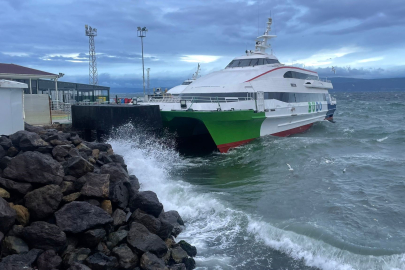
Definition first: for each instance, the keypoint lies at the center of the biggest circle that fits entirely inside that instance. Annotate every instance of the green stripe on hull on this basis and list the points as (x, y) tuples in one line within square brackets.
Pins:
[(224, 126)]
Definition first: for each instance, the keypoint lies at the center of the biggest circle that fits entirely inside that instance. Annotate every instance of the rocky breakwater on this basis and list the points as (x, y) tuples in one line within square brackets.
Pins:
[(70, 204)]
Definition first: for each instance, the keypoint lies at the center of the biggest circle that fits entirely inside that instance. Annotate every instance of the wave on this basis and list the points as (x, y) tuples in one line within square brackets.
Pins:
[(227, 238)]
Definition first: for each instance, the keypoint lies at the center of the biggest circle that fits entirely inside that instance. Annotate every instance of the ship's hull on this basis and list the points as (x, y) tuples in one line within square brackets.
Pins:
[(230, 129)]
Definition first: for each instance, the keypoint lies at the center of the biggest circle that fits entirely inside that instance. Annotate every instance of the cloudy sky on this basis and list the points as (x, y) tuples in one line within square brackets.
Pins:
[(362, 38)]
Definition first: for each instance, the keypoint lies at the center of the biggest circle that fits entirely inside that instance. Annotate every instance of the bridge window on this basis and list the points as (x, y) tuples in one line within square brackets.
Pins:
[(251, 62), (299, 75)]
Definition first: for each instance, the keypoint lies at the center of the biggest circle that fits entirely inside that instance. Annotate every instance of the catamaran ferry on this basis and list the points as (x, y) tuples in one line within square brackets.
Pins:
[(254, 96)]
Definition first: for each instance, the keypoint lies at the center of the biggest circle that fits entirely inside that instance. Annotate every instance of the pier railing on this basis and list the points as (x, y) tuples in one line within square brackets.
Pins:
[(196, 99)]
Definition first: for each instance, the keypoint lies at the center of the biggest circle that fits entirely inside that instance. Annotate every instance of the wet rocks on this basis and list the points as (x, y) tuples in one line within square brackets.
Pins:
[(97, 185), (126, 258), (146, 201), (116, 171), (99, 261), (76, 217), (144, 241), (22, 188), (43, 235), (49, 260), (191, 250), (78, 166), (7, 216), (34, 167), (150, 261), (92, 238)]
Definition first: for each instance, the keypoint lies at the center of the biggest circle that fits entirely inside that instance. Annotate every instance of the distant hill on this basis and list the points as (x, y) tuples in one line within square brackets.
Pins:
[(352, 84)]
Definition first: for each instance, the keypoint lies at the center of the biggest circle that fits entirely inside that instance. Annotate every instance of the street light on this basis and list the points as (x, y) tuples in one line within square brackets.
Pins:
[(142, 33)]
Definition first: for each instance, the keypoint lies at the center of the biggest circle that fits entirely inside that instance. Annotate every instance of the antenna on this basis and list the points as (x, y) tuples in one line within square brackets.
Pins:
[(93, 75)]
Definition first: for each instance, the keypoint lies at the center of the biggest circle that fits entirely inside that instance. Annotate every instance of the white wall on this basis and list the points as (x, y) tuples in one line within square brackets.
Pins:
[(11, 110), (37, 110)]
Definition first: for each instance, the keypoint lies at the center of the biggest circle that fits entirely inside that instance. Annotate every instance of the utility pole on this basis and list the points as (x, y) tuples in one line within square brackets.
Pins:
[(142, 33), (93, 75), (147, 79)]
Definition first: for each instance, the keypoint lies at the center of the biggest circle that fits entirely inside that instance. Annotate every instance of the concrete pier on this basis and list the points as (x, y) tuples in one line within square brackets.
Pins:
[(104, 118)]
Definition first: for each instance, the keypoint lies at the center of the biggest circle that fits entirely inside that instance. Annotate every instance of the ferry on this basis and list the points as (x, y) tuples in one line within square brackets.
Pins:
[(175, 91), (253, 96)]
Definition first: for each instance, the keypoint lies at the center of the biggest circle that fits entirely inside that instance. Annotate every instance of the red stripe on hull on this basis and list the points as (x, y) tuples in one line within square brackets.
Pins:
[(296, 130), (277, 69), (224, 148)]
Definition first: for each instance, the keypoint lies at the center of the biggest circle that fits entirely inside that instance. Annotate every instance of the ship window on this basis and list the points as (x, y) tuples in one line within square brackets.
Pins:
[(261, 61), (251, 62), (299, 75), (272, 61), (294, 97), (244, 63), (254, 62), (186, 83)]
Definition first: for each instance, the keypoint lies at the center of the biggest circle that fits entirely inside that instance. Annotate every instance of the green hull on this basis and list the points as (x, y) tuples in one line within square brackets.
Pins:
[(227, 128)]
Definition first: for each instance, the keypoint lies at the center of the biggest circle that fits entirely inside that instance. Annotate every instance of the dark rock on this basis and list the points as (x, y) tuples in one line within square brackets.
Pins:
[(93, 202), (116, 172), (14, 245), (75, 256), (78, 266), (104, 158), (67, 187), (149, 221), (191, 250), (119, 195), (45, 149), (71, 197), (34, 167), (7, 216), (99, 261), (79, 182), (117, 237), (22, 188), (71, 243), (3, 152), (178, 254), (31, 141), (179, 266), (78, 217), (60, 142), (102, 247), (23, 215), (17, 231), (190, 263), (43, 202), (166, 229), (146, 201), (134, 182), (5, 142), (119, 217), (70, 178), (126, 258), (143, 241), (61, 151), (78, 166), (45, 236), (12, 151), (20, 261), (32, 128), (74, 152), (91, 238), (49, 260), (97, 185), (103, 147), (4, 162), (172, 217), (149, 261)]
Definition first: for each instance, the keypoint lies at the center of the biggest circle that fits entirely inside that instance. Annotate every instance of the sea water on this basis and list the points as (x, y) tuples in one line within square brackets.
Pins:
[(341, 205)]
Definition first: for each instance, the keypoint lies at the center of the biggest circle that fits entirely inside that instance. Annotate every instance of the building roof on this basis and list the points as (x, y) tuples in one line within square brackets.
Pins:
[(12, 71)]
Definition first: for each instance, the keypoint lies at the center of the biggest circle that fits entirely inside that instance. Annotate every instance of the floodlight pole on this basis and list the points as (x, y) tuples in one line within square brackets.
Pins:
[(142, 33)]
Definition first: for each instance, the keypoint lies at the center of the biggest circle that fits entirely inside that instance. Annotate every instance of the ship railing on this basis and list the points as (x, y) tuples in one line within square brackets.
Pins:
[(197, 99)]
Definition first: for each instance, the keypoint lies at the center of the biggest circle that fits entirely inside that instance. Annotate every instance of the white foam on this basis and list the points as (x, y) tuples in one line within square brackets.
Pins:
[(212, 225), (382, 139)]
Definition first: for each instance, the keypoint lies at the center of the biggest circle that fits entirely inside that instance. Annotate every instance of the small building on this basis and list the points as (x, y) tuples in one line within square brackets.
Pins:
[(41, 82), (11, 106)]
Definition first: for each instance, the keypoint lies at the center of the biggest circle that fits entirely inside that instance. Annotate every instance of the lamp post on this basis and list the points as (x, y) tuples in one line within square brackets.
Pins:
[(142, 33)]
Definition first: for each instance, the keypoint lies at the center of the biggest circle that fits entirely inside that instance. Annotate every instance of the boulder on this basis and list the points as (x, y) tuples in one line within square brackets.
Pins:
[(61, 151), (95, 153), (43, 202), (106, 206), (150, 222), (49, 260), (97, 185), (23, 216), (191, 250), (178, 254), (150, 261), (22, 188), (4, 162), (78, 166), (7, 216), (43, 235), (67, 187), (146, 201), (3, 152), (35, 129), (16, 230), (102, 247), (104, 158), (12, 151), (117, 237), (71, 197), (14, 245), (179, 266), (34, 167), (166, 229), (75, 256), (133, 180), (27, 141), (78, 266), (4, 193), (119, 195), (76, 217), (99, 261), (103, 147), (92, 238), (172, 217), (116, 171), (119, 217), (144, 241), (5, 142), (189, 263), (20, 261), (126, 258)]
